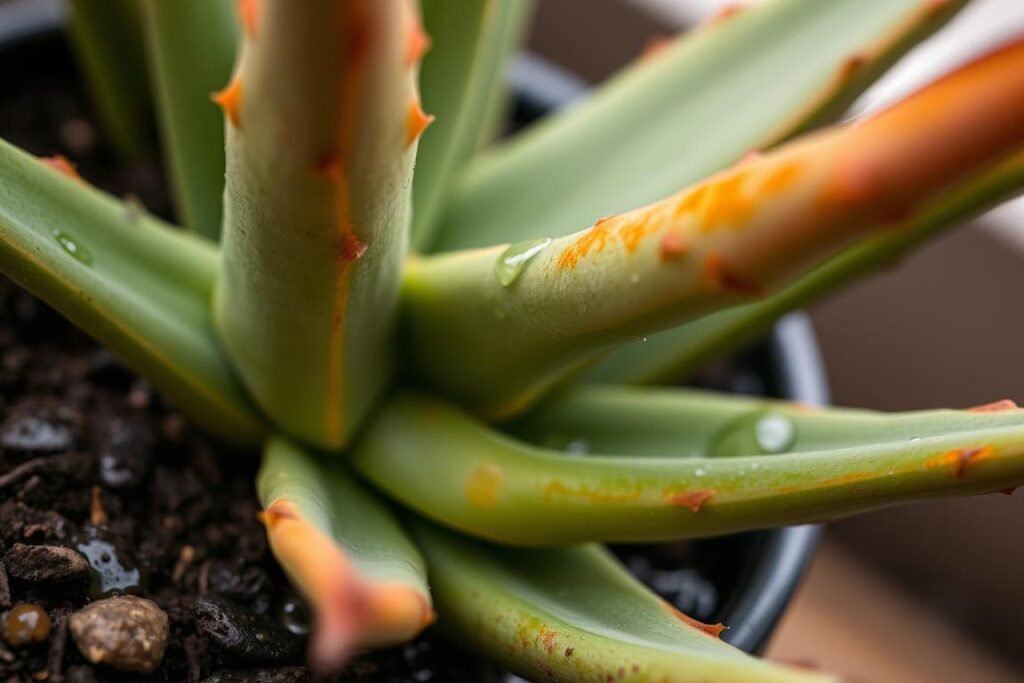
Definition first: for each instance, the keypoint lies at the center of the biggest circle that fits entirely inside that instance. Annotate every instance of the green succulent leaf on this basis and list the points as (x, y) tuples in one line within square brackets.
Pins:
[(323, 120), (495, 328), (136, 284), (575, 614), (461, 80), (672, 355), (106, 35), (345, 551), (191, 47), (692, 109), (488, 484)]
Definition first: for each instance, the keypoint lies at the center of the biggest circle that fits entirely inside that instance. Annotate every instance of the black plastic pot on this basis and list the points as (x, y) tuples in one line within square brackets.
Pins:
[(764, 567)]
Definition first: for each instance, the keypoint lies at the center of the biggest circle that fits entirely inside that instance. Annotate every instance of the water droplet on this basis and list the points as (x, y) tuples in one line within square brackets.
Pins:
[(73, 247), (762, 433), (570, 445), (295, 616), (577, 447), (644, 339), (515, 258), (112, 570), (700, 472), (915, 439)]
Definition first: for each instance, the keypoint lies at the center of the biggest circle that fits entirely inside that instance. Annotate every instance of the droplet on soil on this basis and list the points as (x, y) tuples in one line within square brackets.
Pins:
[(112, 570), (515, 258), (242, 632), (73, 247), (761, 433), (26, 624)]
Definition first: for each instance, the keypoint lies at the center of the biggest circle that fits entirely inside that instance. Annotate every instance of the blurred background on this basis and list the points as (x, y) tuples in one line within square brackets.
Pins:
[(933, 592)]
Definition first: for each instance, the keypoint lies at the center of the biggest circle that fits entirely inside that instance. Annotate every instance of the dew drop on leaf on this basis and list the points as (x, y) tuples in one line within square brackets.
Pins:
[(762, 433), (515, 258), (73, 247)]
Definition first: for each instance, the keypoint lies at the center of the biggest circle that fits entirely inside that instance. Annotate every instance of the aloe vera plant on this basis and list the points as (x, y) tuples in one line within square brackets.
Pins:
[(411, 323)]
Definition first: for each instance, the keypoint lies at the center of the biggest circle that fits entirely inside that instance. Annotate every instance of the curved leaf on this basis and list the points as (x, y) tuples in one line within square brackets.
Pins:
[(670, 356), (461, 80), (490, 485), (345, 551), (138, 285), (496, 328), (191, 46), (746, 83), (575, 614), (106, 38)]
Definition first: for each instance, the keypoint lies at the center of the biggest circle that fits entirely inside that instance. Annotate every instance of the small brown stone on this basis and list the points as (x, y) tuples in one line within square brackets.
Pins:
[(125, 632), (45, 563), (26, 624)]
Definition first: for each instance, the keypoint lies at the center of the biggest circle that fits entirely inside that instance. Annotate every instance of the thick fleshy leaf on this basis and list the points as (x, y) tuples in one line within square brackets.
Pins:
[(670, 356), (106, 35), (575, 614), (191, 46), (461, 82), (495, 328), (745, 83), (136, 284), (490, 485), (323, 121), (345, 551)]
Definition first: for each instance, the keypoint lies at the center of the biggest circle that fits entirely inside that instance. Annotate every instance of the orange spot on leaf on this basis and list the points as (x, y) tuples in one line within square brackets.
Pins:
[(416, 122), (654, 47), (558, 488), (350, 248), (693, 500), (722, 277), (995, 407), (248, 15), (673, 245), (419, 43), (61, 164), (593, 239), (961, 458), (724, 14), (713, 630), (230, 101)]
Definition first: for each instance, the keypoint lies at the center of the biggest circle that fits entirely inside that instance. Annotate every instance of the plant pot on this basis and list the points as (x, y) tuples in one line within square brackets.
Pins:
[(745, 581)]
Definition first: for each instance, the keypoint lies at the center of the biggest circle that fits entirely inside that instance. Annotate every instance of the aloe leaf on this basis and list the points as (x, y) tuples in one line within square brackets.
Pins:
[(746, 83), (672, 355), (323, 121), (345, 551), (191, 46), (136, 284), (106, 37), (495, 328), (671, 422), (575, 614), (469, 42), (490, 485)]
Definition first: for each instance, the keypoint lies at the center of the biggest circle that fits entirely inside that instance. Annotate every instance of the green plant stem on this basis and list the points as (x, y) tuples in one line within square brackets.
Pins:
[(191, 46), (323, 119), (576, 615), (490, 485), (106, 35), (691, 110)]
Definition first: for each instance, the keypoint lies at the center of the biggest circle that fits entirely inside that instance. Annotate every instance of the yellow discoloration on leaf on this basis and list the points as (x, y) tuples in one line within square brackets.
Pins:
[(557, 488), (484, 484)]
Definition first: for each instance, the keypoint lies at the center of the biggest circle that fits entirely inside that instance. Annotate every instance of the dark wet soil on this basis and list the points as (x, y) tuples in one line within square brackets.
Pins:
[(95, 465)]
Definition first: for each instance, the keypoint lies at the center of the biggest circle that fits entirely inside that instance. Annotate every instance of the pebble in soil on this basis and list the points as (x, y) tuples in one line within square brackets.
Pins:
[(243, 633), (26, 624), (45, 564), (125, 632)]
